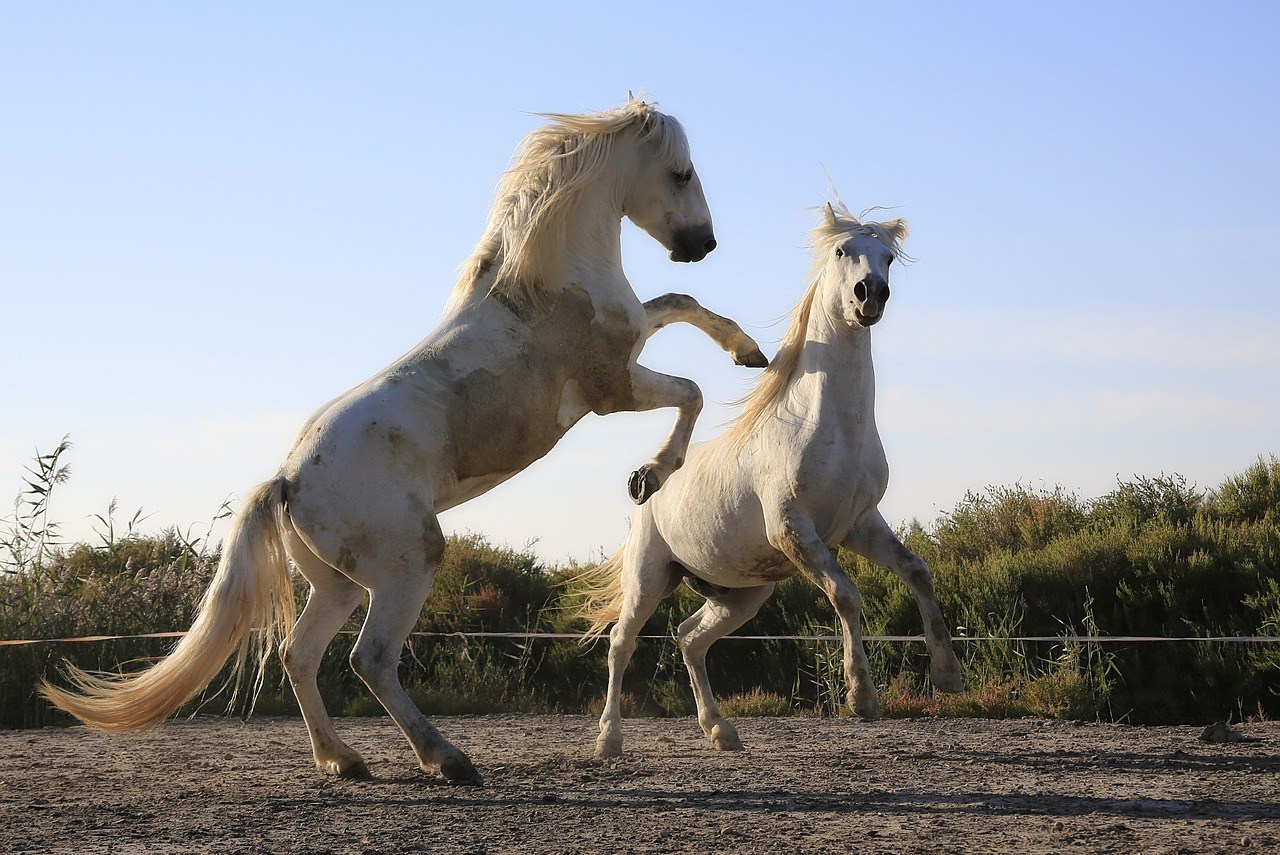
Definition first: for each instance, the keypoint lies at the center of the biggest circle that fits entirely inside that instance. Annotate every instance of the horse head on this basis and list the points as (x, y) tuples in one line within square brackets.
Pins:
[(662, 193), (854, 260)]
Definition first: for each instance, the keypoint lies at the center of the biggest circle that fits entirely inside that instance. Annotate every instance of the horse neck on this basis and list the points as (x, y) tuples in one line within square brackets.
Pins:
[(835, 377), (591, 240), (584, 251)]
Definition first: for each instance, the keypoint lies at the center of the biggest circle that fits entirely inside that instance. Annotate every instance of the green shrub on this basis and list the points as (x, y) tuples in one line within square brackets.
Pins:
[(1250, 497)]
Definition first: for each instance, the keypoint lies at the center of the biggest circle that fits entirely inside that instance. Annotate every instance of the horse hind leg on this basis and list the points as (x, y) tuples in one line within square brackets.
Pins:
[(396, 596), (722, 613), (646, 580), (332, 600)]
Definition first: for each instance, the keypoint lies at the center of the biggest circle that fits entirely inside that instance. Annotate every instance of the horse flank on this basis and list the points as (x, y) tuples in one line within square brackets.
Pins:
[(550, 165), (835, 225)]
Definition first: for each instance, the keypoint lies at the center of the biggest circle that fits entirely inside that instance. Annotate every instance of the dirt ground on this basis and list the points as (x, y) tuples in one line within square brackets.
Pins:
[(802, 784)]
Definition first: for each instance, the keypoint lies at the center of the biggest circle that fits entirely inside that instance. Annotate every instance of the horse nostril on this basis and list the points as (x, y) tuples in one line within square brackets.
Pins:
[(709, 245), (860, 291)]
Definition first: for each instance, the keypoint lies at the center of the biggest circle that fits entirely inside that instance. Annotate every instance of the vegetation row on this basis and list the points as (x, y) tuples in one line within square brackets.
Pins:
[(1154, 557)]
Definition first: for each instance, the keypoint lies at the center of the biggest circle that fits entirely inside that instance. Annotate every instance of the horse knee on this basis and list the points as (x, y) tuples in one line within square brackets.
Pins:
[(847, 600), (917, 575), (690, 395), (693, 650)]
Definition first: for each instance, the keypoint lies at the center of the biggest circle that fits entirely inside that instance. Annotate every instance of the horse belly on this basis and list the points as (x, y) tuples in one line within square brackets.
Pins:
[(739, 564), (717, 535)]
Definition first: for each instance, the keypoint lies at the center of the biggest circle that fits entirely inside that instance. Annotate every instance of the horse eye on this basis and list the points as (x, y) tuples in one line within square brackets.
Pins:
[(683, 178), (839, 252)]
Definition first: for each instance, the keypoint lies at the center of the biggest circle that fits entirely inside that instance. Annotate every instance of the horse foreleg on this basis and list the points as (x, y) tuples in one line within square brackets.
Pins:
[(876, 542), (650, 390), (681, 308), (332, 600), (793, 534), (719, 616)]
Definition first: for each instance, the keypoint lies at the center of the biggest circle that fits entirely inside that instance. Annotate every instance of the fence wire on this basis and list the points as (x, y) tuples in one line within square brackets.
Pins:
[(464, 636)]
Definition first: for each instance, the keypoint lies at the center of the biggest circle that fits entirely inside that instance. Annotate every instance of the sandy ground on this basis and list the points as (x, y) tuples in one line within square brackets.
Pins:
[(802, 784)]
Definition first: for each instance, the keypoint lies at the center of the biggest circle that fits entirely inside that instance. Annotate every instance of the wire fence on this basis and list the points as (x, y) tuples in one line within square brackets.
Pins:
[(1057, 639)]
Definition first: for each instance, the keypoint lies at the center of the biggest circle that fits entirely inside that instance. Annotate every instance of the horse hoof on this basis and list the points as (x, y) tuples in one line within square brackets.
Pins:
[(754, 359), (725, 738), (643, 484), (606, 750), (868, 709), (460, 771), (351, 769)]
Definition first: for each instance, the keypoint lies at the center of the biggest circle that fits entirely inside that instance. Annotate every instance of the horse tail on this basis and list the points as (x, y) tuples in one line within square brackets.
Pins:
[(600, 590), (251, 591)]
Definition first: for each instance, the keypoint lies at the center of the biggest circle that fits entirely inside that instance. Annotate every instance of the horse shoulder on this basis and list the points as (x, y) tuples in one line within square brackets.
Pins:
[(594, 338)]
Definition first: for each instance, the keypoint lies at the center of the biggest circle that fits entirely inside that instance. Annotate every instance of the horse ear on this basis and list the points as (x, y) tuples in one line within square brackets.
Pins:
[(630, 97), (897, 229), (829, 215)]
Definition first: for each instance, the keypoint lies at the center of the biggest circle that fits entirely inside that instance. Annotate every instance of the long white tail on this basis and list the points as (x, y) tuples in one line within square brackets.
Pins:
[(601, 591), (250, 591)]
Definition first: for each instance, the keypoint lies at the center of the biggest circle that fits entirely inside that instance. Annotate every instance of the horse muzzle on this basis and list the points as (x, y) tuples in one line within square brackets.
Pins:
[(692, 244), (870, 296)]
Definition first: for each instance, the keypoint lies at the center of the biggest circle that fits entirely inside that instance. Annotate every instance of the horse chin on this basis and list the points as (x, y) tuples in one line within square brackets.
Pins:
[(685, 257)]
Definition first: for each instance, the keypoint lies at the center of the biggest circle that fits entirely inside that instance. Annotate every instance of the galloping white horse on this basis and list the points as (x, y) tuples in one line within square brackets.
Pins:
[(802, 467), (541, 329)]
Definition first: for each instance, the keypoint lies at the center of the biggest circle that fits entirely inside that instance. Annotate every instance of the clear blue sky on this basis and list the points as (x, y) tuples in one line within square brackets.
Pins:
[(215, 217)]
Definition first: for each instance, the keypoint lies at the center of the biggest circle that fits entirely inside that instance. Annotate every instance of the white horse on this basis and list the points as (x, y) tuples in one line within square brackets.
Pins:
[(541, 329), (801, 468)]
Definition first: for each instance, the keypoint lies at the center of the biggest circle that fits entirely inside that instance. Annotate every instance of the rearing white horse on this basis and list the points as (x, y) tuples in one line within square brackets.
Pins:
[(541, 329), (802, 467)]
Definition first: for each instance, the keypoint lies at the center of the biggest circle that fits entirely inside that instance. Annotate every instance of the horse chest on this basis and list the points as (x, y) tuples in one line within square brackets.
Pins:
[(839, 477)]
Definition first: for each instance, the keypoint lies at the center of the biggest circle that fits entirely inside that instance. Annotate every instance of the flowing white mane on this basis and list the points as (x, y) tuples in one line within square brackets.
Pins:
[(834, 226), (525, 231)]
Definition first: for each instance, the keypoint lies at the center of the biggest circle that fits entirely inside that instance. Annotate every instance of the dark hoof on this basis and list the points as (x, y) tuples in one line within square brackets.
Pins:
[(754, 359), (355, 772), (459, 771), (642, 485)]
